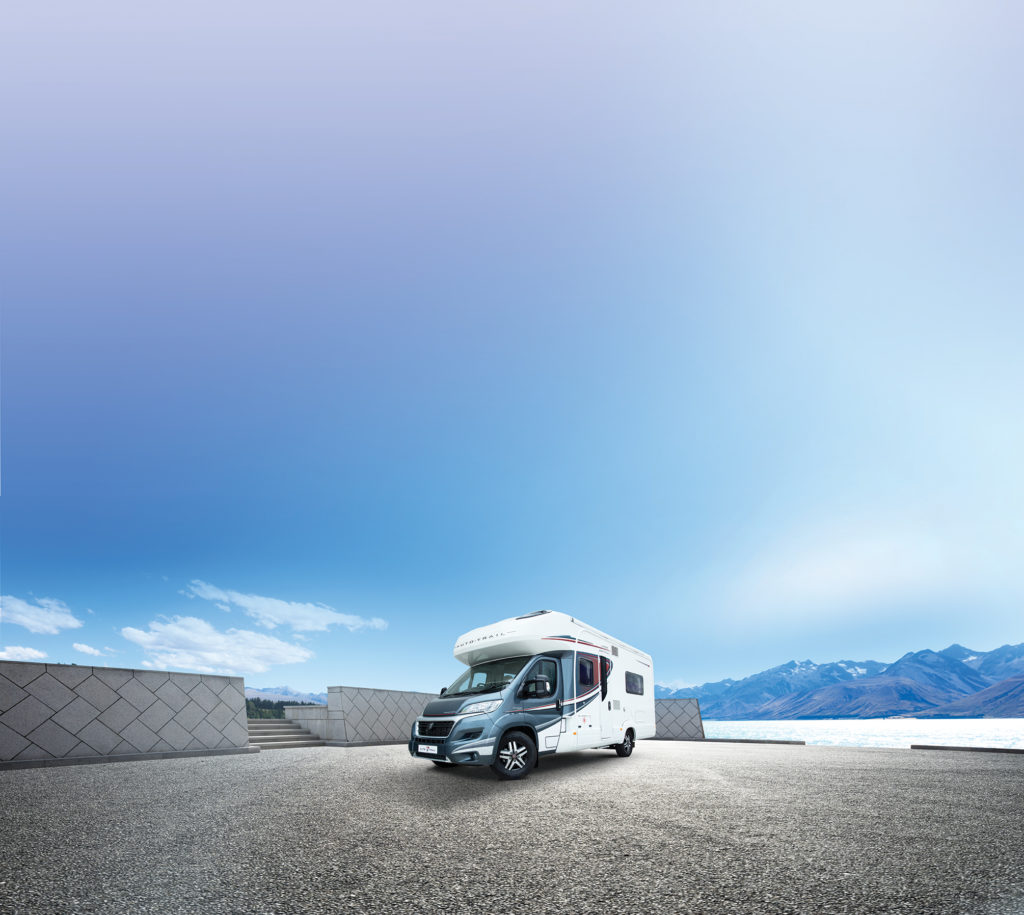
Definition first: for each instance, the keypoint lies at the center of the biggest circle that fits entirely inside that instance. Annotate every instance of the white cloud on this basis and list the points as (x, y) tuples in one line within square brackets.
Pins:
[(185, 642), (47, 616), (87, 649), (20, 653), (272, 612)]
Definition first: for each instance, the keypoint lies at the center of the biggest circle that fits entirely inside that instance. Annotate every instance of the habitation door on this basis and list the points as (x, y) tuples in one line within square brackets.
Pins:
[(586, 722), (609, 713)]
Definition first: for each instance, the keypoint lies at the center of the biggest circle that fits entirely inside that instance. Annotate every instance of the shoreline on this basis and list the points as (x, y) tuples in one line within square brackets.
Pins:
[(893, 733)]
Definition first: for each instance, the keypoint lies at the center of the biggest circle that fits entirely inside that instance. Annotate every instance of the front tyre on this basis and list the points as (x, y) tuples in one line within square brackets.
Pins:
[(626, 747), (516, 755)]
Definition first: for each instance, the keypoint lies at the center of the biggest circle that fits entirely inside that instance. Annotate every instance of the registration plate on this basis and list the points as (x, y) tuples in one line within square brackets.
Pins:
[(427, 748)]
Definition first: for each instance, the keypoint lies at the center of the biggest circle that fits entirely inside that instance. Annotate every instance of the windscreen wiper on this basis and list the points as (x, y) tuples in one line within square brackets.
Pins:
[(489, 687)]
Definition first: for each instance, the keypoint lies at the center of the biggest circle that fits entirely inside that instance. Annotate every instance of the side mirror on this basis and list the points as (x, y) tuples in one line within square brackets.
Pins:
[(444, 689), (537, 688)]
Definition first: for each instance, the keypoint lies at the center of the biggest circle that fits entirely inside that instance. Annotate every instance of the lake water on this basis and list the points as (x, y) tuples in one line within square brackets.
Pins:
[(880, 732)]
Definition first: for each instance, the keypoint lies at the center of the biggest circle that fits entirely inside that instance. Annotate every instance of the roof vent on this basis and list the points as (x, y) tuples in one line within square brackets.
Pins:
[(535, 613)]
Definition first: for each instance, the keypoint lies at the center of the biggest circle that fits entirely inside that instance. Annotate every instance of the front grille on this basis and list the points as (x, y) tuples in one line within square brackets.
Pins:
[(435, 728)]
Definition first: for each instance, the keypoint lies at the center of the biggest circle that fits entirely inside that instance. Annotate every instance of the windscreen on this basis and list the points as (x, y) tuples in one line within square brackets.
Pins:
[(488, 677)]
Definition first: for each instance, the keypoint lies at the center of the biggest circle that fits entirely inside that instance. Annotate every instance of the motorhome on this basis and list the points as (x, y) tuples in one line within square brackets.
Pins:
[(536, 685)]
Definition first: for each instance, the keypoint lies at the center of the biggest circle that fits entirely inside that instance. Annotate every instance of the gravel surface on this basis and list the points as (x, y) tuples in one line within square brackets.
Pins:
[(678, 827)]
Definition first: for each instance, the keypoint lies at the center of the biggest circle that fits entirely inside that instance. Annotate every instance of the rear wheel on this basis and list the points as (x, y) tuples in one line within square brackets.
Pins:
[(516, 755), (441, 764), (626, 747)]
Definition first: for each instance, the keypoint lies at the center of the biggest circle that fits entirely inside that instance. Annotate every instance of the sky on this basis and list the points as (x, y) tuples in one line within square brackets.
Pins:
[(332, 331)]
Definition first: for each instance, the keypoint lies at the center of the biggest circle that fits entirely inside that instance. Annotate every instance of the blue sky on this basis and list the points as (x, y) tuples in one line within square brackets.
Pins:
[(331, 332)]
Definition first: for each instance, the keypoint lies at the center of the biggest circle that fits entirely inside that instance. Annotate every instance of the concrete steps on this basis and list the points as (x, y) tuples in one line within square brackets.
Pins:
[(280, 734)]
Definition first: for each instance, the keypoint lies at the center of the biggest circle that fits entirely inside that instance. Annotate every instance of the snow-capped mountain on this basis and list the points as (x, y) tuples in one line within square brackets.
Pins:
[(1000, 663), (920, 681), (739, 699)]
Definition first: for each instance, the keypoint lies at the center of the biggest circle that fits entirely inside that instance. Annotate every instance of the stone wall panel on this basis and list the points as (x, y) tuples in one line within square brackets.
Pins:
[(358, 715), (63, 711), (678, 719)]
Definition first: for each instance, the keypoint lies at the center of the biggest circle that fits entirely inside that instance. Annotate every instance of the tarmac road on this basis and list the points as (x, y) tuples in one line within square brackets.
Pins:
[(678, 827)]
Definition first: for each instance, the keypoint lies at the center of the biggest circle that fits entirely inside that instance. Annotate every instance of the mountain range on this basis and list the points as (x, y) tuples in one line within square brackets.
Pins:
[(284, 694), (953, 683)]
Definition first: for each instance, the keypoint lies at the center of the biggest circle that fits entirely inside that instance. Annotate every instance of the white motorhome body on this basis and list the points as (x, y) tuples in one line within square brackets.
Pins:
[(546, 677)]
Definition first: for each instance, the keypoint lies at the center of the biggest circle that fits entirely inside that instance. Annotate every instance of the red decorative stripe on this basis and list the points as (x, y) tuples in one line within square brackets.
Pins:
[(583, 696), (565, 638), (536, 708)]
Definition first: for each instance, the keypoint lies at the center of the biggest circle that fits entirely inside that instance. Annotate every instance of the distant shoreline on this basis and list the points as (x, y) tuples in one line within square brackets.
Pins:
[(896, 732), (914, 717)]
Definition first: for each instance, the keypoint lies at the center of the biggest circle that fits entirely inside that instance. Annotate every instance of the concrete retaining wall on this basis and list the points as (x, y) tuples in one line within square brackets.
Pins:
[(354, 715), (68, 713), (678, 719)]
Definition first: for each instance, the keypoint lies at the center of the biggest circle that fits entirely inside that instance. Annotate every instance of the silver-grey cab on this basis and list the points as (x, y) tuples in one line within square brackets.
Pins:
[(536, 685)]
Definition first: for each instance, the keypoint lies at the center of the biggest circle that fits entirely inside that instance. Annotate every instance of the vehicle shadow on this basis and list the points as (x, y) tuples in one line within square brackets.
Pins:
[(468, 784)]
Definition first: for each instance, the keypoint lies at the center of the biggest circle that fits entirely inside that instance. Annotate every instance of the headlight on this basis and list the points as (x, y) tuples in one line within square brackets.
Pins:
[(481, 708)]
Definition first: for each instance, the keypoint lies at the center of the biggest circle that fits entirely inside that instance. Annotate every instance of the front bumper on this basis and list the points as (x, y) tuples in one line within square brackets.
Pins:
[(470, 742)]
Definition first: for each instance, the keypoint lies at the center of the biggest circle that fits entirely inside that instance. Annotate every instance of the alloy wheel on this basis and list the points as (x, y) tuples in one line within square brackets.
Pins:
[(513, 755)]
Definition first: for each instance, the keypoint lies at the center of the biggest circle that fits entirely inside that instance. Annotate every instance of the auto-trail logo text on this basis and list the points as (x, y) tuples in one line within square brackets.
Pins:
[(483, 638)]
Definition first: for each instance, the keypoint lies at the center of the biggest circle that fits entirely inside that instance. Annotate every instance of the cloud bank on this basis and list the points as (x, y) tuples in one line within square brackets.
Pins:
[(272, 612), (188, 643), (20, 653), (47, 616)]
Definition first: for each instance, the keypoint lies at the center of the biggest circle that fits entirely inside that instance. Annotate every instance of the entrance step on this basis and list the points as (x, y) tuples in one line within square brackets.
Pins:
[(280, 734)]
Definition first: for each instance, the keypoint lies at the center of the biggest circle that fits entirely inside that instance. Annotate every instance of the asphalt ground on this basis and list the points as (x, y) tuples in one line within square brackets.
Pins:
[(678, 827)]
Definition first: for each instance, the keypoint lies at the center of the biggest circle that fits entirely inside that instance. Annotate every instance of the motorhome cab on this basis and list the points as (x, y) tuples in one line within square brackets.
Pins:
[(536, 685)]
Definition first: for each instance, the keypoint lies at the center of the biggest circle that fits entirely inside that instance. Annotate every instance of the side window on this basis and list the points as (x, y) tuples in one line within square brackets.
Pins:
[(634, 684), (585, 672), (606, 667), (542, 668)]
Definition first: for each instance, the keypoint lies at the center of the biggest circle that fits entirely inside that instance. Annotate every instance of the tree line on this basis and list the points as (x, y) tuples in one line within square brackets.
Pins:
[(265, 708)]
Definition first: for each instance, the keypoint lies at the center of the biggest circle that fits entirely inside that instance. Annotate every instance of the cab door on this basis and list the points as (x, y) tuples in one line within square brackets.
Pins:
[(540, 697)]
